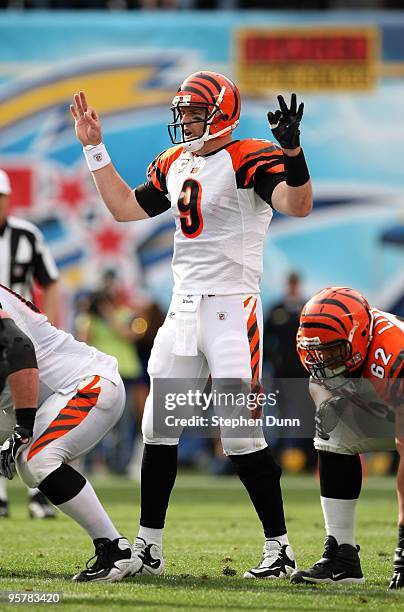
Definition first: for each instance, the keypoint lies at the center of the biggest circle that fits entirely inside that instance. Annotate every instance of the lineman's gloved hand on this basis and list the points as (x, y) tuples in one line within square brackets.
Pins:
[(10, 449)]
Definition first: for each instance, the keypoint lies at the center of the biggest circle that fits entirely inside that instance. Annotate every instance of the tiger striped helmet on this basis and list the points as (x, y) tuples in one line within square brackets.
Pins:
[(334, 332), (219, 99)]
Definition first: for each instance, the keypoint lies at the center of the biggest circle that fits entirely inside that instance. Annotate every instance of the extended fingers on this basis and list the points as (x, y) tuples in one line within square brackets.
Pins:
[(293, 104), (300, 111), (78, 106), (282, 105), (83, 100)]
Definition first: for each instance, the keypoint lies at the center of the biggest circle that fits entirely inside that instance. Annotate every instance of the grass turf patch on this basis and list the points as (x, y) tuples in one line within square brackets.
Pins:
[(212, 537)]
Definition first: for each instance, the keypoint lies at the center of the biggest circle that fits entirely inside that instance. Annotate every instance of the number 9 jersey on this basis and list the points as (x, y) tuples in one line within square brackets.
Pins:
[(222, 208)]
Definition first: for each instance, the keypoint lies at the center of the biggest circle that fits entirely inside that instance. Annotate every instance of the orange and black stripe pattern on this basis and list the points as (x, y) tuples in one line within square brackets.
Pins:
[(333, 312), (207, 87), (73, 414), (159, 167), (251, 156), (250, 306)]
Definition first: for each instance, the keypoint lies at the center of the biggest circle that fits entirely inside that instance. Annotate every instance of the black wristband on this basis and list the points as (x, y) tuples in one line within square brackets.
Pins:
[(296, 170), (25, 418), (401, 536)]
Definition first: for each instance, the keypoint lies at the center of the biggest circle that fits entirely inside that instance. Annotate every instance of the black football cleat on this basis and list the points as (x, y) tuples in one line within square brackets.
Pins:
[(113, 561), (340, 564)]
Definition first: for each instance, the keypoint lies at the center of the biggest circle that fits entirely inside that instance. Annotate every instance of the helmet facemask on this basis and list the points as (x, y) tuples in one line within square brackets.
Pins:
[(177, 129), (325, 361)]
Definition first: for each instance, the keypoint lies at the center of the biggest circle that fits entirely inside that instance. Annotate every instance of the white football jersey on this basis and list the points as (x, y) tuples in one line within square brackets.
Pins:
[(62, 361), (221, 221)]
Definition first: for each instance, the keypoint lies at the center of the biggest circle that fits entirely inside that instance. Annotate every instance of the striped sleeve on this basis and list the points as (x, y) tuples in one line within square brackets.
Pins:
[(253, 159), (159, 167), (156, 175)]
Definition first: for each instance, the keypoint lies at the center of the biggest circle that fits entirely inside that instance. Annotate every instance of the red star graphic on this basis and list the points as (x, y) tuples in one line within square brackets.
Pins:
[(109, 240), (71, 191)]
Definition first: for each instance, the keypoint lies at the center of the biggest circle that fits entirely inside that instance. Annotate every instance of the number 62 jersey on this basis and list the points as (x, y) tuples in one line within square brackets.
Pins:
[(384, 365), (221, 205)]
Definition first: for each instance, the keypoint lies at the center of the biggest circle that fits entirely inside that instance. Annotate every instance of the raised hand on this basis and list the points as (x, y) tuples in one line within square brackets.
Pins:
[(86, 121), (285, 122)]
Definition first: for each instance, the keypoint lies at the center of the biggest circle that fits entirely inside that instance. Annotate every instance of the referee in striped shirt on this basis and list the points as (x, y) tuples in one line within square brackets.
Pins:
[(24, 258)]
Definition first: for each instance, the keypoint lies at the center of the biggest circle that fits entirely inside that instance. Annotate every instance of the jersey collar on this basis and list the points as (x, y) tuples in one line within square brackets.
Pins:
[(226, 146)]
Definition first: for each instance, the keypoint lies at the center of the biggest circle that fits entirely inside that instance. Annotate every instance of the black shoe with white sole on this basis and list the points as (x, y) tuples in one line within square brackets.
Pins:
[(113, 561), (278, 561), (340, 564)]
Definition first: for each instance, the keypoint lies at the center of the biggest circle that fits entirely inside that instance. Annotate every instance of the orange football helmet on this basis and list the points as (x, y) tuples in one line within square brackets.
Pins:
[(334, 332), (217, 95)]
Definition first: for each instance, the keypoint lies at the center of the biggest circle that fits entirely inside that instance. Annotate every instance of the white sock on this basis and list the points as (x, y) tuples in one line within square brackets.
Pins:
[(151, 536), (283, 539), (339, 519), (3, 489), (32, 492), (87, 511)]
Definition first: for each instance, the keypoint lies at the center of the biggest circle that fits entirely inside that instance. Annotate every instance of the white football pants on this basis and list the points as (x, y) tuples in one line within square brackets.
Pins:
[(217, 335)]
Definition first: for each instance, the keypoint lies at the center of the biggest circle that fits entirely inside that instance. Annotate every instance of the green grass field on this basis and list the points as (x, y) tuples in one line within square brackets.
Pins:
[(212, 536)]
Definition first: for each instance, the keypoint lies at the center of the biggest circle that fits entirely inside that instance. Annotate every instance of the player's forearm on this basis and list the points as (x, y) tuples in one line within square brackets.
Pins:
[(50, 302), (294, 196), (24, 386), (299, 200), (117, 195), (299, 193)]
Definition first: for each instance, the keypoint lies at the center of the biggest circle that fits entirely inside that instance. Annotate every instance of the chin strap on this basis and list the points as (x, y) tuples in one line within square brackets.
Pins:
[(195, 145)]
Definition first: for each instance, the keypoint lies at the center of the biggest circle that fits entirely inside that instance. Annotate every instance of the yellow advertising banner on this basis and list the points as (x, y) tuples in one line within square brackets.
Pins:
[(318, 58)]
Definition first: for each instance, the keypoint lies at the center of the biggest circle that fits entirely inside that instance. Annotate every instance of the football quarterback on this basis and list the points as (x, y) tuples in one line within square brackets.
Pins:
[(221, 193)]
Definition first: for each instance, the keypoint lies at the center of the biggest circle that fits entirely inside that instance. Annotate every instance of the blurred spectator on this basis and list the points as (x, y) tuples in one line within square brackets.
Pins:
[(107, 325), (280, 328), (25, 258)]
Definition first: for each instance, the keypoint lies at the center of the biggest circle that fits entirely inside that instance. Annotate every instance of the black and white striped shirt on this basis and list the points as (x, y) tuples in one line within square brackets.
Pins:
[(24, 257)]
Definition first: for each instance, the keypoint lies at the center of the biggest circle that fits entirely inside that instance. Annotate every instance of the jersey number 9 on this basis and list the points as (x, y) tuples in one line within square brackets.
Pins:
[(189, 206)]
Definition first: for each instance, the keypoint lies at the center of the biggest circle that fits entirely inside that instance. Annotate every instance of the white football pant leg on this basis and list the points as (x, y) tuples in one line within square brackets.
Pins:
[(163, 363), (231, 336), (68, 426)]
